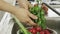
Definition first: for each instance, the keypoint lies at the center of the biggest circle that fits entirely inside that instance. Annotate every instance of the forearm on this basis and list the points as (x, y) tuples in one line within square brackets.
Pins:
[(7, 7)]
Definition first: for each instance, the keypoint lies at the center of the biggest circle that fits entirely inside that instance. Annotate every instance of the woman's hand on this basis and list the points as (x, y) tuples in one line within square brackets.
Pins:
[(24, 16), (25, 4)]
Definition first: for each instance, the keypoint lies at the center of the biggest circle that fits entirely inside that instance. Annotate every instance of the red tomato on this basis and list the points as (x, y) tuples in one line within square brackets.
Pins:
[(42, 32), (47, 32), (38, 29), (33, 30)]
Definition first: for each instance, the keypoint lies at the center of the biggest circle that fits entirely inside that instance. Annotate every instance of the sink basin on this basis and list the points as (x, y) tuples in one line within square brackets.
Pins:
[(52, 23)]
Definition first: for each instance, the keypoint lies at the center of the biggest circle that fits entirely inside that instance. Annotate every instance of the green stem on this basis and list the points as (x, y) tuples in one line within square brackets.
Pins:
[(20, 25)]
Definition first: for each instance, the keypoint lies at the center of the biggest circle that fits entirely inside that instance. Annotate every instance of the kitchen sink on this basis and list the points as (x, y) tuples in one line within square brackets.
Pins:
[(52, 23)]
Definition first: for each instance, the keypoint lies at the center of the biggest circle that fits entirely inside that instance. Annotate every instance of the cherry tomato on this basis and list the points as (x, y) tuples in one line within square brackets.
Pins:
[(42, 32), (47, 32), (38, 29), (34, 31)]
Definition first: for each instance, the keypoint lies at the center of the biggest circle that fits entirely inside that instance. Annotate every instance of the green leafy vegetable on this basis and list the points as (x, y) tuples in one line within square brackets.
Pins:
[(39, 12)]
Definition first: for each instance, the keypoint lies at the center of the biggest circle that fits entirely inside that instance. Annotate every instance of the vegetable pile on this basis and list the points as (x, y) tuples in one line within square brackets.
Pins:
[(39, 12)]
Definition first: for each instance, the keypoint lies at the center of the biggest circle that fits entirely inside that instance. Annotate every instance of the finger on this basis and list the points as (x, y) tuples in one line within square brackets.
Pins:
[(29, 4), (25, 6), (33, 16), (28, 24), (31, 22), (45, 8)]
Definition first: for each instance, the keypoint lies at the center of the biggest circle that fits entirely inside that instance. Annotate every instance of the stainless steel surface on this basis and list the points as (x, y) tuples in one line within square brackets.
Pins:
[(54, 23), (54, 4)]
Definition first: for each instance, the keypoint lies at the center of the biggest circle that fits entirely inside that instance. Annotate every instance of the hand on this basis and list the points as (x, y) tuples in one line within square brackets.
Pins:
[(24, 16), (45, 8)]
